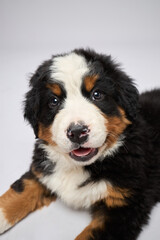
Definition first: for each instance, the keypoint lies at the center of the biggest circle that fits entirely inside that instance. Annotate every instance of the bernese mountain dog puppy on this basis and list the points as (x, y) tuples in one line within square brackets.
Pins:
[(97, 147)]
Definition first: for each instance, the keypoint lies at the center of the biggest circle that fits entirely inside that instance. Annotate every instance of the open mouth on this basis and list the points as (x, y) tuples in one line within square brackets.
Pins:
[(83, 154)]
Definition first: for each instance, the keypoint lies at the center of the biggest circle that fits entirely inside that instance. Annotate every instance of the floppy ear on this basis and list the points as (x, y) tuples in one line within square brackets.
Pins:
[(127, 95), (32, 98), (31, 109)]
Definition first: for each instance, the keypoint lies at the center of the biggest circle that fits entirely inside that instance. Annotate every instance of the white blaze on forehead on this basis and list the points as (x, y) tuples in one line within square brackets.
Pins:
[(69, 70)]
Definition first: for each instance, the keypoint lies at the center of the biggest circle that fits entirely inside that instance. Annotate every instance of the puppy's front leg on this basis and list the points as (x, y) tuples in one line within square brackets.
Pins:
[(24, 196), (97, 225), (115, 222)]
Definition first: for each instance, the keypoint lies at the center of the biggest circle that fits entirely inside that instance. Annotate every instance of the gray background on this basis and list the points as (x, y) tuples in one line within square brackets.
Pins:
[(30, 32)]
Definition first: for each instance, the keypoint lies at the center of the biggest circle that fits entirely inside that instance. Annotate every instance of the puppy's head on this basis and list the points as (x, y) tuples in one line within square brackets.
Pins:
[(80, 104)]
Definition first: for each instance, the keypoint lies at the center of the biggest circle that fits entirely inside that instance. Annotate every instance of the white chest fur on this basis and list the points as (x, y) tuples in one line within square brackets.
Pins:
[(66, 181)]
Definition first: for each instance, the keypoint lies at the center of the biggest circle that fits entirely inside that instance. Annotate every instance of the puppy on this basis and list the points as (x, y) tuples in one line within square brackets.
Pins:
[(97, 147)]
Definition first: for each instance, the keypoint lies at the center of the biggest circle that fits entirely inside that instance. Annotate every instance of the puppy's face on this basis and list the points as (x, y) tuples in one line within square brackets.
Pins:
[(73, 105)]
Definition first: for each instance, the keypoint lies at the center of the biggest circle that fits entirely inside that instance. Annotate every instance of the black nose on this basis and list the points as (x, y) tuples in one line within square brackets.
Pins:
[(77, 133)]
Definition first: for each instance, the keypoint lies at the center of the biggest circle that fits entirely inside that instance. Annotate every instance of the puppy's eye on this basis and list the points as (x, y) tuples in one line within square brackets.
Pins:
[(54, 102), (97, 95)]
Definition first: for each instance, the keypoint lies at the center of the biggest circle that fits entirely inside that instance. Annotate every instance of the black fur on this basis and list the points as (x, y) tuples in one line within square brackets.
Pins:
[(32, 103), (37, 101), (18, 186), (115, 83), (136, 166), (41, 162)]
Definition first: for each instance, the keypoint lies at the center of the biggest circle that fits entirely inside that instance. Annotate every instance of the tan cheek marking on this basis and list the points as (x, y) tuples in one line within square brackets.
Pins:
[(55, 88), (18, 205), (45, 134), (115, 126), (89, 82), (116, 197), (87, 233)]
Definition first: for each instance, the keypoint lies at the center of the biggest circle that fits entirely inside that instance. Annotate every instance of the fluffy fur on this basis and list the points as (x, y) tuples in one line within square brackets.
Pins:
[(98, 146)]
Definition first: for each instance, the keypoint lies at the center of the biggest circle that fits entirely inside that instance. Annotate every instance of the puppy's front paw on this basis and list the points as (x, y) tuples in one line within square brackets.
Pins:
[(4, 224)]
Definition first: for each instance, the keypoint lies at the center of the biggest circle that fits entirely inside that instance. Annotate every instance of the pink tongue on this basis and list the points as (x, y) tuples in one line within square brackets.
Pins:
[(82, 151)]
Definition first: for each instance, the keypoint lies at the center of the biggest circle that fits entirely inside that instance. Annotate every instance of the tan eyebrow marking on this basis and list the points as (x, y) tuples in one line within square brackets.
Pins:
[(55, 88), (89, 82)]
